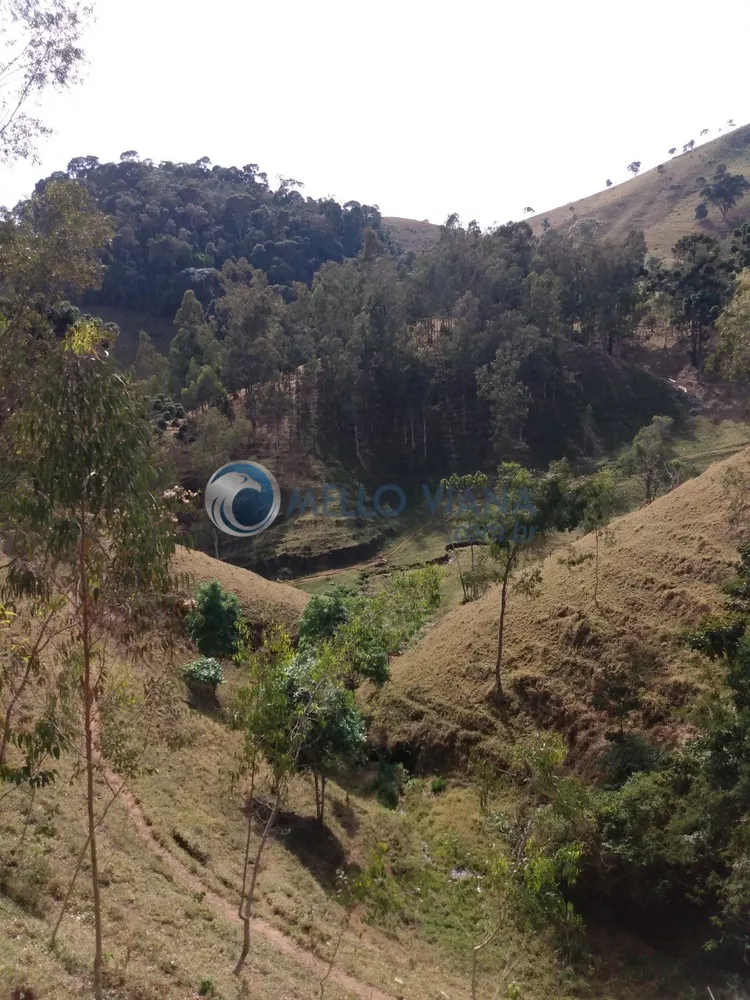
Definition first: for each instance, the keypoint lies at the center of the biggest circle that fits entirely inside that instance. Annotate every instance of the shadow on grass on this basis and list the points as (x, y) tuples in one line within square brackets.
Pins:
[(312, 843)]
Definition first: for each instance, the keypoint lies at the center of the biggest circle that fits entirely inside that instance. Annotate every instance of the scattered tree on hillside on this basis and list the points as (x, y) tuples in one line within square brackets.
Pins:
[(524, 510), (40, 52), (598, 500), (731, 359), (275, 729), (336, 733), (546, 224), (650, 457), (660, 168), (672, 151), (634, 167), (193, 346), (699, 284), (95, 540), (730, 123), (740, 247), (214, 621), (688, 147), (704, 131), (725, 189), (609, 183), (701, 211), (617, 691), (529, 210)]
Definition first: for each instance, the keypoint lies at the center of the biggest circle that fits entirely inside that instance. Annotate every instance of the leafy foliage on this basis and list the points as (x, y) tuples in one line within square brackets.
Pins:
[(213, 623), (40, 51), (178, 223), (205, 670)]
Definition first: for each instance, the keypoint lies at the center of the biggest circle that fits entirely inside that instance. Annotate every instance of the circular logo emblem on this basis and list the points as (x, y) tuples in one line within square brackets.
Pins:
[(242, 498)]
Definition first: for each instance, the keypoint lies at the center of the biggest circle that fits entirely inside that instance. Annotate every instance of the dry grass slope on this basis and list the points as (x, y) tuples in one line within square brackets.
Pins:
[(663, 204), (661, 571), (264, 601), (411, 234)]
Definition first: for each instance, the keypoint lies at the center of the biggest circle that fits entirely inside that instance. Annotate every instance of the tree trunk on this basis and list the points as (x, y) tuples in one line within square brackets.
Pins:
[(247, 915), (322, 796), (318, 810), (460, 574), (501, 628), (596, 568), (88, 696)]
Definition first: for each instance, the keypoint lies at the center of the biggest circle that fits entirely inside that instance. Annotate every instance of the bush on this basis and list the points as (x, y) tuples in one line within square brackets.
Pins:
[(207, 988), (627, 755), (206, 671), (324, 615), (213, 624), (389, 783), (439, 785)]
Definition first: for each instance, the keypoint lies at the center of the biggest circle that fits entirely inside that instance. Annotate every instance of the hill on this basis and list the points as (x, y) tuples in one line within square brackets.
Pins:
[(659, 574), (662, 202), (264, 601), (178, 223), (411, 234)]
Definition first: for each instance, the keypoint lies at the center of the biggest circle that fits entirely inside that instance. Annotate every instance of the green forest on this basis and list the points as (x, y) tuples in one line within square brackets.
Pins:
[(380, 358)]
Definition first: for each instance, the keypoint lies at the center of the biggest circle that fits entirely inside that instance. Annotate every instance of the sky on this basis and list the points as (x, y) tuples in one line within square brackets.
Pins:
[(422, 107)]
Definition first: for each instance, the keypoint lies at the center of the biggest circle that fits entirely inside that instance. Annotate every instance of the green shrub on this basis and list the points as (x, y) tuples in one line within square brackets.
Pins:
[(389, 783), (213, 624), (324, 615), (439, 785), (207, 988), (206, 670), (626, 755)]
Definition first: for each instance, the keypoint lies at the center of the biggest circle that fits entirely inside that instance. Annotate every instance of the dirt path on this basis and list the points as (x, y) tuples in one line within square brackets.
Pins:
[(280, 941)]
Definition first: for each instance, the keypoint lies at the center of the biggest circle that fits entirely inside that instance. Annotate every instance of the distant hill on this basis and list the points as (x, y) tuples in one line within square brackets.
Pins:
[(410, 234), (662, 204)]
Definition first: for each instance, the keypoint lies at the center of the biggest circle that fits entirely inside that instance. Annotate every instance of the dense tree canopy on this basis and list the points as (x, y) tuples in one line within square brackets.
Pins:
[(177, 222)]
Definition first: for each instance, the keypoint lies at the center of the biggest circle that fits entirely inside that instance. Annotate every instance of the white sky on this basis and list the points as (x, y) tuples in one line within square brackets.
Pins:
[(423, 107)]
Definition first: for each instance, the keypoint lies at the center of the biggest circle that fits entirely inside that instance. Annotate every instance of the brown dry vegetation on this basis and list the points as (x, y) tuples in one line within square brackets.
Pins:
[(163, 936), (663, 204), (659, 574), (264, 601), (411, 234)]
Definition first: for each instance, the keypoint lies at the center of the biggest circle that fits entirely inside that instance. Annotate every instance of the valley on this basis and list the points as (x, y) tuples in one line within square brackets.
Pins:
[(347, 756)]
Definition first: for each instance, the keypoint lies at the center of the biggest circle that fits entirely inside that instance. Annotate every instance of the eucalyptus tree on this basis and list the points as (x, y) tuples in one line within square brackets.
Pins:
[(85, 527)]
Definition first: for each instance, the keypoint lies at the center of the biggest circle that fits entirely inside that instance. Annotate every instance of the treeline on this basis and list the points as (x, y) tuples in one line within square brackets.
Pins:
[(491, 336), (178, 222)]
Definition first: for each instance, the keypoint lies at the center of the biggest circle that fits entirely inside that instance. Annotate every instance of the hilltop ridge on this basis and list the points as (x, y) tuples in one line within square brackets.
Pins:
[(660, 202)]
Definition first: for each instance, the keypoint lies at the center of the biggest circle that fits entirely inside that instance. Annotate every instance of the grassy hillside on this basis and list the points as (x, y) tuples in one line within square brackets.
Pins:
[(660, 203), (663, 203), (171, 850), (264, 601), (412, 235), (659, 573)]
